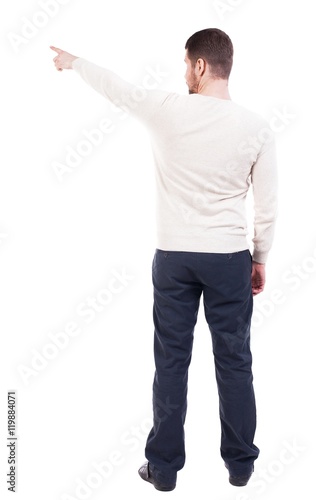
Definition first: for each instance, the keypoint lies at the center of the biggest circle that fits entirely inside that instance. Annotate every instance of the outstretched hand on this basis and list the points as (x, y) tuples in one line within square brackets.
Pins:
[(63, 60), (258, 278)]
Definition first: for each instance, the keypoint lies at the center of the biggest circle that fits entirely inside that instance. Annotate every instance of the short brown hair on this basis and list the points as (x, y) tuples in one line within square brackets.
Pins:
[(215, 47)]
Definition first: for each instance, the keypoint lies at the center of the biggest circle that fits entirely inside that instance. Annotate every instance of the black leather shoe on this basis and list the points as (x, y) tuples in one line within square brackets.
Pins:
[(144, 473), (239, 480)]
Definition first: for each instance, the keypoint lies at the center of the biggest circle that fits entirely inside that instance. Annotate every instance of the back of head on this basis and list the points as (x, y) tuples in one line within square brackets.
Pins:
[(213, 46)]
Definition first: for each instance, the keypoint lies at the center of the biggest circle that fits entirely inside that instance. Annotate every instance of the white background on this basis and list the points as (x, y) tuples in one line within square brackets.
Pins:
[(61, 240)]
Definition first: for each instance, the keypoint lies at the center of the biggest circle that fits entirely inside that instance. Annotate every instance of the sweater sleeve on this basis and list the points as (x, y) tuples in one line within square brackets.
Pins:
[(139, 101), (264, 181)]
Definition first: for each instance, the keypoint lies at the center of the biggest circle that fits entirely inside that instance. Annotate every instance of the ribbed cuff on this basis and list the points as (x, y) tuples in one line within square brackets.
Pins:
[(260, 257)]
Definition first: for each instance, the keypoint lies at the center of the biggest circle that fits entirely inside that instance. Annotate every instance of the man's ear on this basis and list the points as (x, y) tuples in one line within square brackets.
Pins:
[(200, 66)]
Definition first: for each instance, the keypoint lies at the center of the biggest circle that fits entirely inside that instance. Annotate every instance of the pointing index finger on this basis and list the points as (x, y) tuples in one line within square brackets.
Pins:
[(59, 51)]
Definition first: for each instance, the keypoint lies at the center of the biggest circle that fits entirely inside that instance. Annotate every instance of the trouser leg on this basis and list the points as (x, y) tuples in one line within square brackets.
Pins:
[(228, 307), (176, 303)]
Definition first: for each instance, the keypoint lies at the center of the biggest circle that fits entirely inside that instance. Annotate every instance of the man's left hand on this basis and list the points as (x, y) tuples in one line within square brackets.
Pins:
[(258, 278)]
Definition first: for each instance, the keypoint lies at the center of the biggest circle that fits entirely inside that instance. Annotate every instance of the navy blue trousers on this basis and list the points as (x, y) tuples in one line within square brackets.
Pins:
[(224, 280)]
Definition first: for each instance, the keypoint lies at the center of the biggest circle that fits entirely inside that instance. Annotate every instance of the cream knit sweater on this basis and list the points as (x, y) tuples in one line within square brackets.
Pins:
[(207, 153)]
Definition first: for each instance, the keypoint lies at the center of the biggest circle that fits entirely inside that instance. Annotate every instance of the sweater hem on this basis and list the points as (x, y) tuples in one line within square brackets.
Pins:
[(176, 243)]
